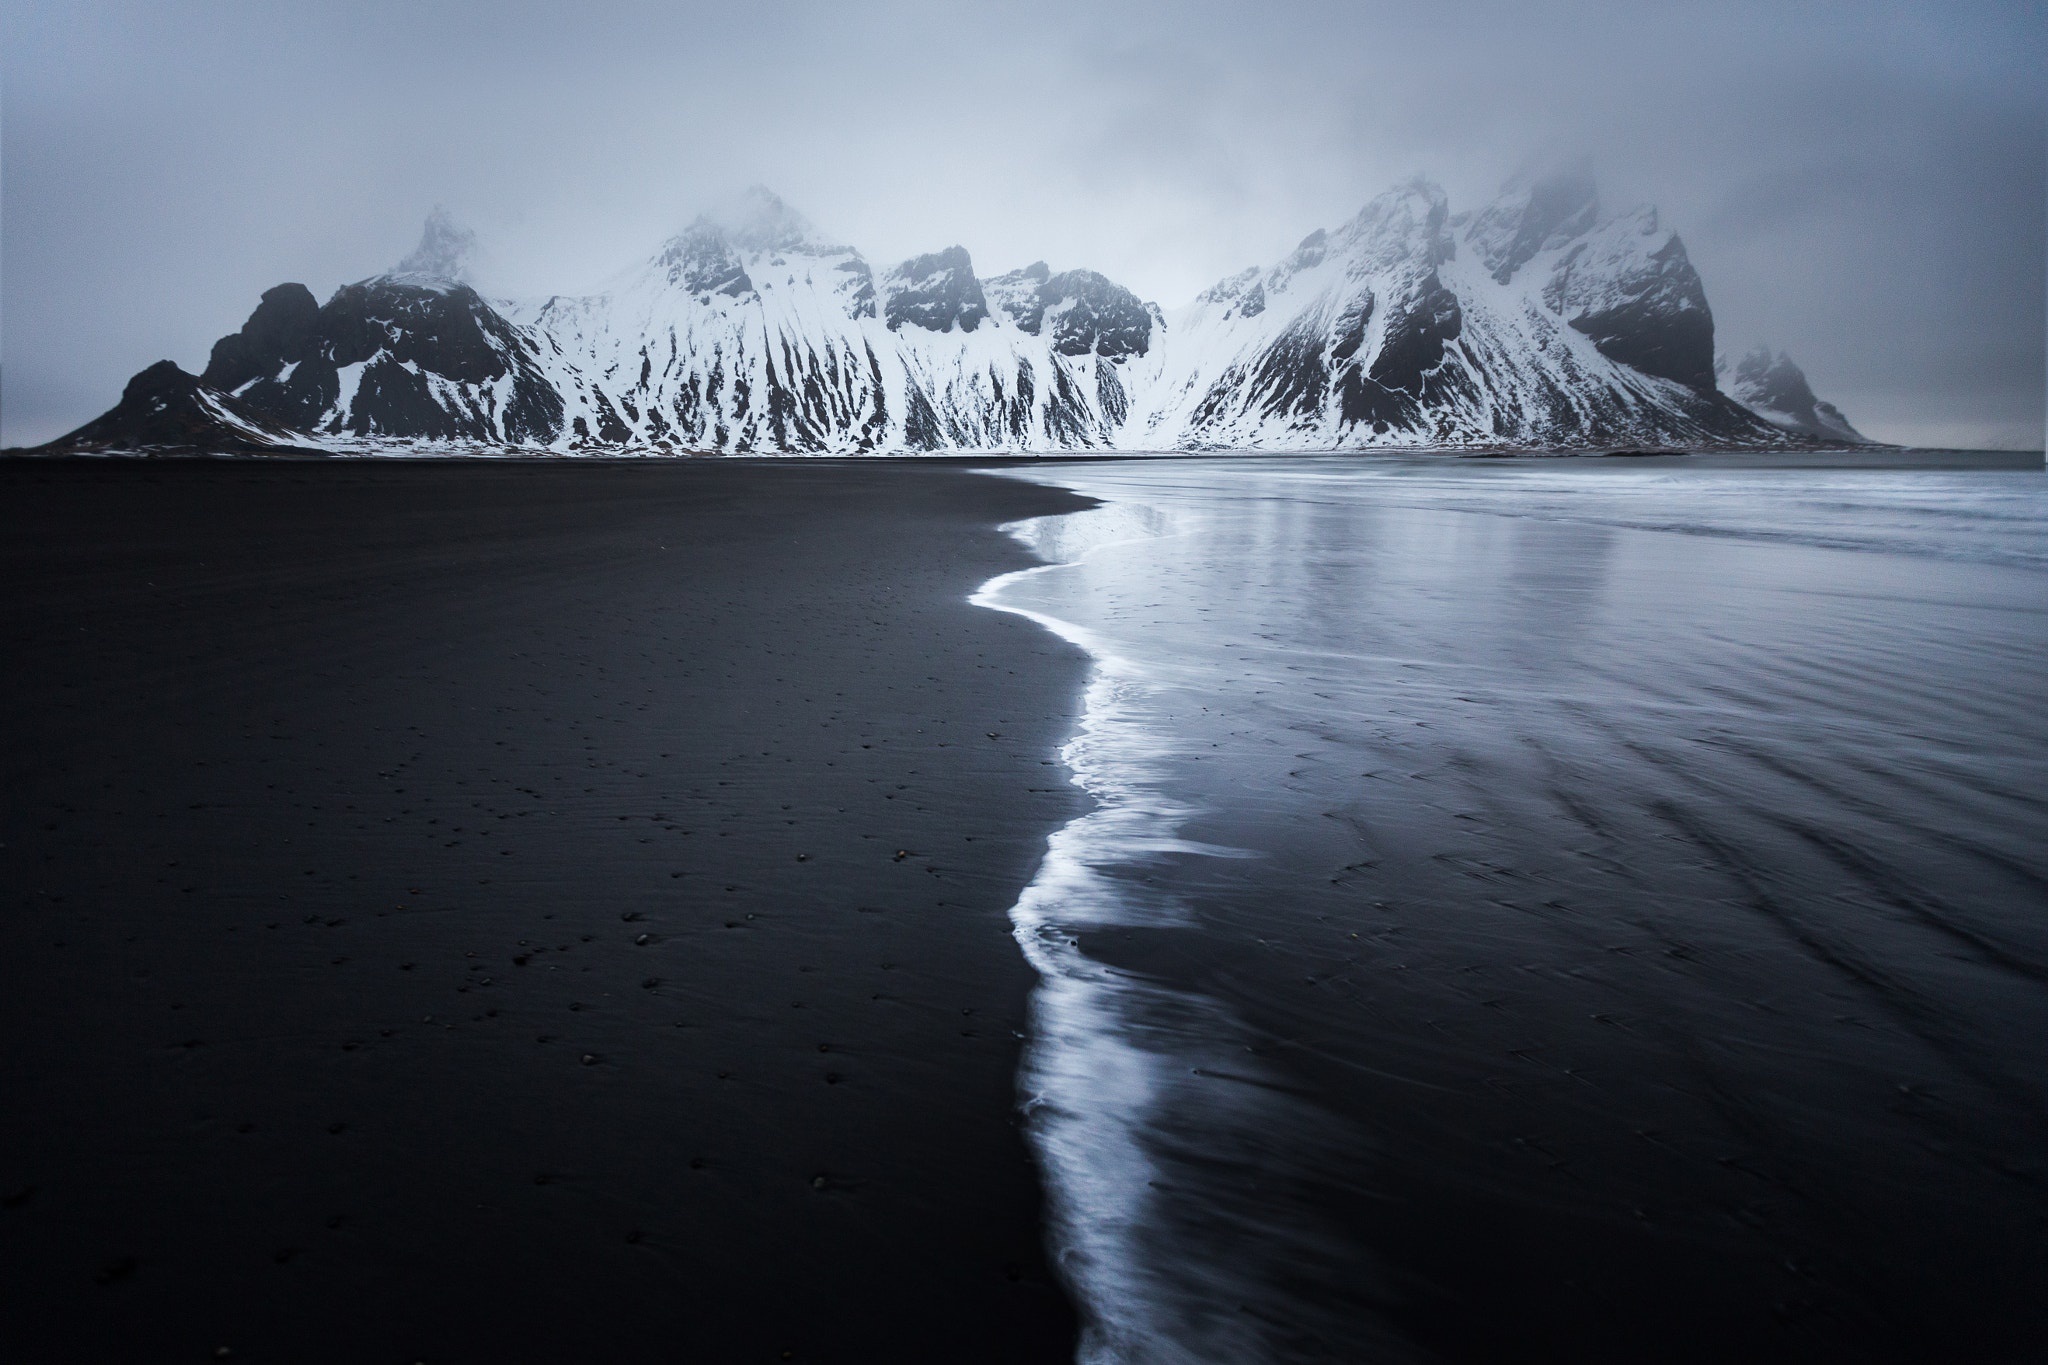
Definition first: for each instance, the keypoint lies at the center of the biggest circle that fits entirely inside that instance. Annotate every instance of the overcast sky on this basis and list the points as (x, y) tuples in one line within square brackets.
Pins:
[(1860, 184)]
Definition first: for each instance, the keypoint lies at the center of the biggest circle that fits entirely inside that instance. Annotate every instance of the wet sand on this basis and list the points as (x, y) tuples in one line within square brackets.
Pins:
[(1553, 912), (519, 913)]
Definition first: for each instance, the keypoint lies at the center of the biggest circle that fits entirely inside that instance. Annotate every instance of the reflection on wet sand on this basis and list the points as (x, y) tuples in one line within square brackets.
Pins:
[(1552, 911)]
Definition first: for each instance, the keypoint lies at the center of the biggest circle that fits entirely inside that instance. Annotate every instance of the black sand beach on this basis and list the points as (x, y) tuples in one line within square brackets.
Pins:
[(513, 912), (1559, 912), (519, 913)]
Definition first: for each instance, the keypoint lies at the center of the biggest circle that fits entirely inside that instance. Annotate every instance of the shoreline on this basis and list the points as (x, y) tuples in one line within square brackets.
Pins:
[(639, 844), (1754, 459), (1369, 1018)]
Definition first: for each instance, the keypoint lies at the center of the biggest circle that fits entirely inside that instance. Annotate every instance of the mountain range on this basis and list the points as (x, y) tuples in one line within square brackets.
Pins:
[(1540, 320)]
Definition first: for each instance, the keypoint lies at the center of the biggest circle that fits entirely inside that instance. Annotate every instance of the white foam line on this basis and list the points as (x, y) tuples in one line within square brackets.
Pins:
[(1108, 1051)]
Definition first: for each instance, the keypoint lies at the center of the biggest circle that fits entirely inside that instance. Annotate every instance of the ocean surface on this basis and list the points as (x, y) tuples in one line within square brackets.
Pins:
[(1585, 909)]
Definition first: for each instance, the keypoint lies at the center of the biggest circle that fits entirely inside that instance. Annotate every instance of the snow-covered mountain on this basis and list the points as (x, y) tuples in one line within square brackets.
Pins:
[(756, 335), (1539, 320), (1775, 389), (1536, 321)]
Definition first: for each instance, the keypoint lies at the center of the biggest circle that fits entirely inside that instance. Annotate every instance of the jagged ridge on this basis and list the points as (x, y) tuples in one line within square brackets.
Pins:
[(1539, 320), (165, 409)]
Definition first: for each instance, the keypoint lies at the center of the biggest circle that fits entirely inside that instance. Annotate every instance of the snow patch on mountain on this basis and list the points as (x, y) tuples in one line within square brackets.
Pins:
[(1775, 389), (1538, 320)]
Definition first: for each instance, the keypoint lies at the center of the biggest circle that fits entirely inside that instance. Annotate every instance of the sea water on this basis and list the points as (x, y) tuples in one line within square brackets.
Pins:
[(1539, 887)]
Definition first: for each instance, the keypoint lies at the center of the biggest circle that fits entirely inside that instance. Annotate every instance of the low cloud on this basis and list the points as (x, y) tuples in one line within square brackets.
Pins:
[(1867, 194)]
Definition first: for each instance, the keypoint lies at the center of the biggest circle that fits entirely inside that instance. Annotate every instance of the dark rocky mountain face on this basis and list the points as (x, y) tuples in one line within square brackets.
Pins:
[(1242, 295), (1393, 391), (1538, 320), (1372, 317), (1016, 295), (164, 408), (936, 292), (1656, 320), (1776, 389), (1526, 220), (1535, 321), (1625, 284), (858, 292), (409, 351), (701, 261), (1088, 313), (1773, 381), (284, 329)]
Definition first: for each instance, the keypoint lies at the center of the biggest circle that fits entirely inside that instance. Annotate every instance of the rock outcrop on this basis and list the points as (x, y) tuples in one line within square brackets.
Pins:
[(164, 409), (1540, 320), (1775, 389)]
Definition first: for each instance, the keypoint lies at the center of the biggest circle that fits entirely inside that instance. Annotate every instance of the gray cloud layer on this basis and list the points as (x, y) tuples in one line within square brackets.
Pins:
[(1861, 184)]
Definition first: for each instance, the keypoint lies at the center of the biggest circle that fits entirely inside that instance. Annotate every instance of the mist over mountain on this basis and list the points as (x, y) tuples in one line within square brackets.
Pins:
[(445, 252), (1867, 195), (1539, 319)]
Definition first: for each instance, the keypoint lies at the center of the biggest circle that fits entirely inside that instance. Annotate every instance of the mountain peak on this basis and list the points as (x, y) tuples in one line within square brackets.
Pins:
[(1405, 223), (1770, 385), (164, 408), (759, 220), (1080, 312), (741, 333), (937, 291), (1530, 216), (1417, 200), (700, 260), (446, 251)]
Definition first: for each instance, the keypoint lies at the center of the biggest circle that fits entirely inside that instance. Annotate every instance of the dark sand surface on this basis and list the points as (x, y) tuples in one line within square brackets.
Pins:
[(1643, 959), (519, 913)]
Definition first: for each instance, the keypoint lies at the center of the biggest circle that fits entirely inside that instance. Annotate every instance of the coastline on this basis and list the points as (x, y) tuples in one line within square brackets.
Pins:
[(1791, 455), (1430, 976), (524, 1070)]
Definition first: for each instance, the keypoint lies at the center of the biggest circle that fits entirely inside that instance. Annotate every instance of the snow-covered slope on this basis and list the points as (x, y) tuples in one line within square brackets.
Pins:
[(754, 335), (1538, 320), (1775, 389)]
